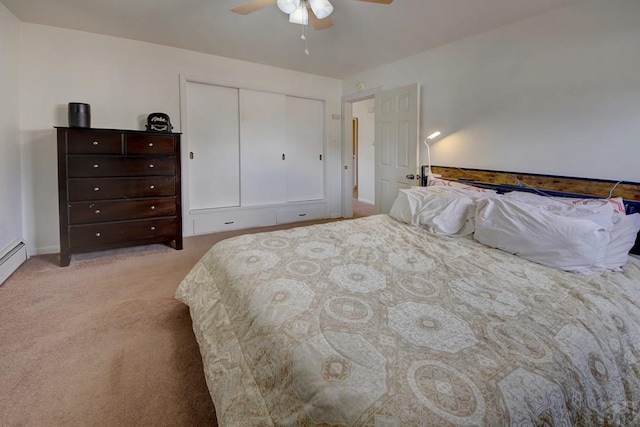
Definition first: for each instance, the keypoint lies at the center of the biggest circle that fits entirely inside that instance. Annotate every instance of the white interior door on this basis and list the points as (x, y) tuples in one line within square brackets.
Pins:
[(305, 125), (396, 120), (263, 176), (214, 140)]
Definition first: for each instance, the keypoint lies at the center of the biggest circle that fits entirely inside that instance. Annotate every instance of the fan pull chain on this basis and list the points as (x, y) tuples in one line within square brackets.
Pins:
[(304, 37)]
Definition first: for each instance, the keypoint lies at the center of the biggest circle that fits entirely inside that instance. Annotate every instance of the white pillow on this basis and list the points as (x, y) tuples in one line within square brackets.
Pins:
[(405, 207), (565, 243), (458, 187), (447, 214), (600, 211), (441, 213), (623, 237), (615, 203), (602, 216)]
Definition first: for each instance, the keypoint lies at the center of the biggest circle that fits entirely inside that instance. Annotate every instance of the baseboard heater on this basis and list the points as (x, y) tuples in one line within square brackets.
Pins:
[(12, 259)]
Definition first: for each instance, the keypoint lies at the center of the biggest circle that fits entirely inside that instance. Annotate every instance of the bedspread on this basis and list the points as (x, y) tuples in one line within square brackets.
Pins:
[(371, 322)]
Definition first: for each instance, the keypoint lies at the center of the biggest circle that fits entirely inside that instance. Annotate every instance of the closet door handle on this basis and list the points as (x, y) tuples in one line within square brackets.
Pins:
[(282, 156)]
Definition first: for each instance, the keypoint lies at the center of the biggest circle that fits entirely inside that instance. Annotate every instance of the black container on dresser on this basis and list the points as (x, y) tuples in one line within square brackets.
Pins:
[(117, 188)]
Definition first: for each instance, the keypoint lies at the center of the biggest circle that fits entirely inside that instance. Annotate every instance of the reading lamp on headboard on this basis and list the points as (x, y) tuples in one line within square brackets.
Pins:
[(431, 137)]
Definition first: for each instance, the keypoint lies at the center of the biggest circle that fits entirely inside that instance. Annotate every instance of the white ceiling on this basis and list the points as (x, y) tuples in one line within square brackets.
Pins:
[(365, 35)]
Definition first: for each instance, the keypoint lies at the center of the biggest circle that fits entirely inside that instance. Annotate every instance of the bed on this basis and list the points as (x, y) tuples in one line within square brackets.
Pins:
[(373, 322)]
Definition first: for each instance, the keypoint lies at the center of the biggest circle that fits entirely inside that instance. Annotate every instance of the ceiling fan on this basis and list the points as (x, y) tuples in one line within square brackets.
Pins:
[(298, 10)]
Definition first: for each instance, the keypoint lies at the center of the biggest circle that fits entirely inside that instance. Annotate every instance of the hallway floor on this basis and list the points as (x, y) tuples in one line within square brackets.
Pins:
[(362, 209)]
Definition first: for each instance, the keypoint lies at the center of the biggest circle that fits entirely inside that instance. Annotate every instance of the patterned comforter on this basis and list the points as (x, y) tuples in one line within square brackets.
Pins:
[(371, 322)]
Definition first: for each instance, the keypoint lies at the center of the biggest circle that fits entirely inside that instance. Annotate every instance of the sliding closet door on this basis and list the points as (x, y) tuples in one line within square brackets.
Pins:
[(305, 130), (214, 146), (263, 118)]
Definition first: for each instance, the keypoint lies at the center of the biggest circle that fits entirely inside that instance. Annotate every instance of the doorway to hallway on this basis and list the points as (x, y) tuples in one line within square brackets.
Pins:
[(363, 162)]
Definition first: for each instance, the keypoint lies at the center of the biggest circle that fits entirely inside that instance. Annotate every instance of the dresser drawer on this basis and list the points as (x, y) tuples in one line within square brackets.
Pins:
[(150, 144), (120, 188), (119, 210), (301, 213), (214, 222), (96, 235), (102, 166), (88, 142)]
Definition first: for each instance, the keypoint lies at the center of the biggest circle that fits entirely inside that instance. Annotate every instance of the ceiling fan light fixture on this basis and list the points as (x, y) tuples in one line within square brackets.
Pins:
[(300, 15), (288, 6), (321, 8)]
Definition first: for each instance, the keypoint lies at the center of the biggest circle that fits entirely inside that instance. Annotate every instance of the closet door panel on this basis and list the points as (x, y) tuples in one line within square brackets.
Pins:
[(305, 140), (214, 139), (263, 176)]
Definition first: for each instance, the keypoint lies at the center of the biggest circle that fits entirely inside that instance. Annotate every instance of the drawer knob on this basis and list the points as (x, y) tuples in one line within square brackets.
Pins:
[(153, 228), (95, 166), (97, 234), (95, 142), (151, 165), (97, 211), (151, 144), (96, 188), (153, 208), (152, 187)]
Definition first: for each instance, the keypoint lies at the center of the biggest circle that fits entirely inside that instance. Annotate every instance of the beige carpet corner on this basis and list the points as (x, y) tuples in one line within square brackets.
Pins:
[(103, 342)]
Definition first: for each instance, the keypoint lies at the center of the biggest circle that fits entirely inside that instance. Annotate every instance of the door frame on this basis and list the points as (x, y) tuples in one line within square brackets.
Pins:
[(354, 146), (347, 146)]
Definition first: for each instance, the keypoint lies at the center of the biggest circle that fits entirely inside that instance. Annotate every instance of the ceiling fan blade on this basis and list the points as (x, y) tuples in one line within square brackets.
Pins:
[(377, 1), (320, 24), (252, 6)]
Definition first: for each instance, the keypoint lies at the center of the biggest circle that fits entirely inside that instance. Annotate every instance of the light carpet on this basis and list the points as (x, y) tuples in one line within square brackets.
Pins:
[(103, 342)]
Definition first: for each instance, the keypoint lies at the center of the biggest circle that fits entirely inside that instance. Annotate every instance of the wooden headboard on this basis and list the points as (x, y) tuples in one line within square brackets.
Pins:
[(552, 185)]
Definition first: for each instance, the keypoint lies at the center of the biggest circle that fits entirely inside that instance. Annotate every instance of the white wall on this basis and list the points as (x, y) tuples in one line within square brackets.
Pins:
[(10, 183), (557, 94), (364, 111), (124, 80)]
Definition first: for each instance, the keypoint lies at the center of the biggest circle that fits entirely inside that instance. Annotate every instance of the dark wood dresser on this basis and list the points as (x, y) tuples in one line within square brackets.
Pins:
[(117, 188)]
